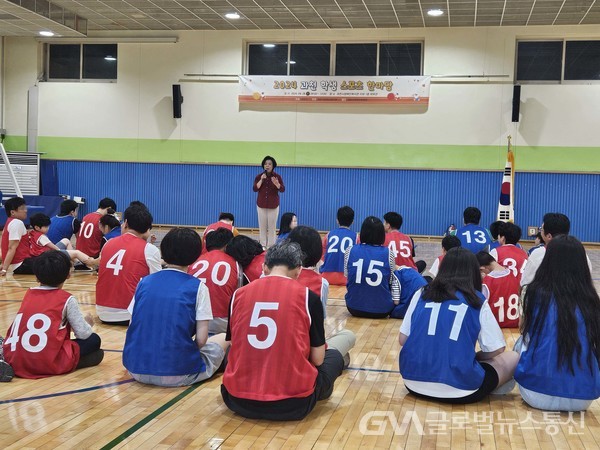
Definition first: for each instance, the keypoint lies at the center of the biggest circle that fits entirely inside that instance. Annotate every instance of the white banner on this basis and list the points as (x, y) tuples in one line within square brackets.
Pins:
[(383, 90)]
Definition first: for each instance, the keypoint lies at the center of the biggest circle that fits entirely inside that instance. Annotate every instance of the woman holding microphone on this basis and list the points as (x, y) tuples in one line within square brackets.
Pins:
[(268, 184)]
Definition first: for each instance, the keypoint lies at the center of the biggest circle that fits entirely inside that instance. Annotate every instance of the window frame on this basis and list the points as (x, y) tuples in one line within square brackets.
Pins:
[(80, 79)]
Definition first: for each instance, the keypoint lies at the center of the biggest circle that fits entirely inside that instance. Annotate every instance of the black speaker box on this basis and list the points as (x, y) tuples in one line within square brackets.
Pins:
[(177, 101), (516, 105)]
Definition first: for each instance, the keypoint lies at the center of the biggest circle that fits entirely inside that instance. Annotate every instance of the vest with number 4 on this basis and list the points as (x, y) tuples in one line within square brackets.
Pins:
[(511, 257), (402, 247), (122, 266), (441, 344), (270, 342), (37, 344)]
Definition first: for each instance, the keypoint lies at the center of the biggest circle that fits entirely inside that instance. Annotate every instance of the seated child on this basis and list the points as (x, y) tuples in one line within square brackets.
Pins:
[(539, 242), (501, 290), (66, 224), (472, 236), (15, 240), (448, 242), (507, 254), (494, 229), (335, 245), (167, 342), (310, 243), (49, 313), (250, 254), (402, 245), (221, 274), (226, 220), (109, 226), (411, 283), (288, 222)]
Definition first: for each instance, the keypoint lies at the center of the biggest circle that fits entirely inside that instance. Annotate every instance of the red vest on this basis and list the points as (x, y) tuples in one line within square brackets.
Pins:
[(219, 272), (90, 236), (22, 251), (122, 266), (312, 280), (34, 248), (504, 299), (213, 227), (36, 345), (270, 342), (513, 258), (254, 270), (402, 247)]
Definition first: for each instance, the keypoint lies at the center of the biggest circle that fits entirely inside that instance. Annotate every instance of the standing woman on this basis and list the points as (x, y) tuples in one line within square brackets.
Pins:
[(558, 368), (268, 184)]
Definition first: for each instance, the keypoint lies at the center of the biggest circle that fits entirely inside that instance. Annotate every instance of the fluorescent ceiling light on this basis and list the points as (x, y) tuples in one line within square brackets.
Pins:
[(110, 58), (268, 45), (232, 15), (46, 33), (292, 62), (435, 12)]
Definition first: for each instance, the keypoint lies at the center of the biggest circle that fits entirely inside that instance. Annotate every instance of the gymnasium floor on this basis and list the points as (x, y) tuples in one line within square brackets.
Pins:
[(102, 407)]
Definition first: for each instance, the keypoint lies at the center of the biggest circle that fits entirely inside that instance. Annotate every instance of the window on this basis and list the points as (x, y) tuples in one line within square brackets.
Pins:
[(539, 61), (356, 59), (82, 62), (582, 60)]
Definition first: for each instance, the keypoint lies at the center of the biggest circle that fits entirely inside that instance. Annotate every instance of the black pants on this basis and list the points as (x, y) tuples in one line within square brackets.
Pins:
[(291, 408), (90, 353), (368, 315)]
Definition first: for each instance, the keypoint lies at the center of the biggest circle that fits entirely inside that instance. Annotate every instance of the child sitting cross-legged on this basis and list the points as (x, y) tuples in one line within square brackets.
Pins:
[(38, 343)]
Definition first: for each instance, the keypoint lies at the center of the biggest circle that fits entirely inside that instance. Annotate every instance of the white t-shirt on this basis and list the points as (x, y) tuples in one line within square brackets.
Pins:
[(534, 262), (16, 230)]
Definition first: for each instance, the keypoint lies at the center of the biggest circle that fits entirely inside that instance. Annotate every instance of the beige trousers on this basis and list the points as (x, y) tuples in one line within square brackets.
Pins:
[(267, 225)]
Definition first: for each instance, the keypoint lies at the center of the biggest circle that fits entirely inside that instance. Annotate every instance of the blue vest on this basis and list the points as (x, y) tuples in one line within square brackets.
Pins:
[(60, 227), (538, 372), (410, 282), (159, 338), (282, 237), (443, 350), (474, 237), (115, 232), (494, 244), (369, 292), (337, 242)]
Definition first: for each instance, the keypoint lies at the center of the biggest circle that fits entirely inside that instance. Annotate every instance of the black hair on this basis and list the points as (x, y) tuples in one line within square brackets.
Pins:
[(39, 220), (345, 216), (285, 222), (67, 207), (472, 215), (511, 232), (218, 239), (52, 268), (107, 203), (450, 241), (393, 219), (284, 253), (265, 159), (310, 244), (372, 231), (226, 216), (110, 220), (459, 272), (556, 223), (12, 204), (138, 218), (495, 228), (484, 259), (564, 279), (244, 249), (539, 236), (181, 246)]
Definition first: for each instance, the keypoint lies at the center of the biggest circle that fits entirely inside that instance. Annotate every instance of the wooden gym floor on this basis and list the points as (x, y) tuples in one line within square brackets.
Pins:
[(102, 407)]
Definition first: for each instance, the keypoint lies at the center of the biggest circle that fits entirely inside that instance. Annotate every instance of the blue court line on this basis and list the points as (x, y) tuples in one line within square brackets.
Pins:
[(60, 394)]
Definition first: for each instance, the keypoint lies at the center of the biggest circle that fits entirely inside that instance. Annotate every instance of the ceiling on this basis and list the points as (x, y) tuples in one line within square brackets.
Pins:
[(77, 17)]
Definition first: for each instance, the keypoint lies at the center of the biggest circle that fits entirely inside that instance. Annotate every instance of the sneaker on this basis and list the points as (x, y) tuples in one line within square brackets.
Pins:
[(82, 268), (505, 388), (346, 360), (6, 372)]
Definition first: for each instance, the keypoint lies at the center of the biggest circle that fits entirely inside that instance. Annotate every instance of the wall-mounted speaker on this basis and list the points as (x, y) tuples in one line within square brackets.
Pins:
[(516, 104), (177, 101)]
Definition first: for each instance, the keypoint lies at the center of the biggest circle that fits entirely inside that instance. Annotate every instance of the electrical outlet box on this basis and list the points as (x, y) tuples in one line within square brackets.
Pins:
[(532, 231)]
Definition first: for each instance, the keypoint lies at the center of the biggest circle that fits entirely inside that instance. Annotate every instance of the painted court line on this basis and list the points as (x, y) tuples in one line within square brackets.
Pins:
[(60, 394)]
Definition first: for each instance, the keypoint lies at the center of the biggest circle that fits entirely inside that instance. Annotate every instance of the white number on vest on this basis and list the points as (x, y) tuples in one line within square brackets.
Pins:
[(404, 249), (512, 311), (460, 310), (479, 236), (115, 262), (214, 275), (345, 245), (86, 230), (256, 321), (32, 330), (511, 265), (372, 270)]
